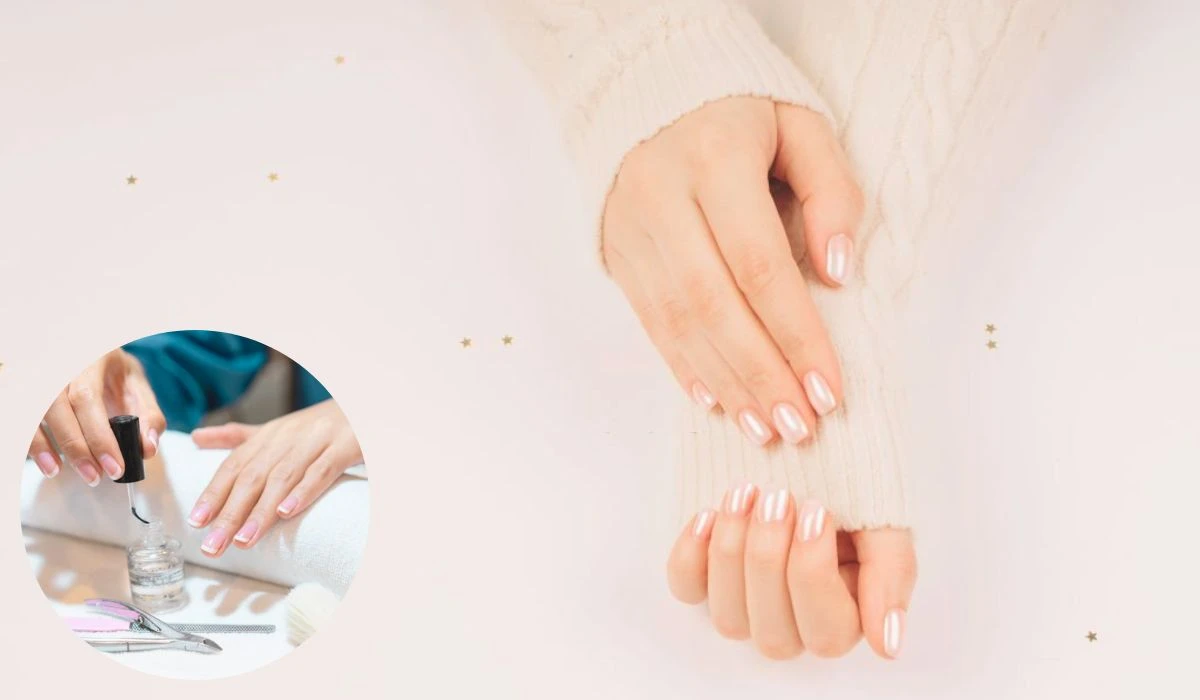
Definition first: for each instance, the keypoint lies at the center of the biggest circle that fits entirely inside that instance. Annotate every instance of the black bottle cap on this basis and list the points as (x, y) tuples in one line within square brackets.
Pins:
[(129, 438)]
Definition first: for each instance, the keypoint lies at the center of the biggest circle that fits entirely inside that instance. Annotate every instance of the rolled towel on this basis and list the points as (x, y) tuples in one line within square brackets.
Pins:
[(323, 545)]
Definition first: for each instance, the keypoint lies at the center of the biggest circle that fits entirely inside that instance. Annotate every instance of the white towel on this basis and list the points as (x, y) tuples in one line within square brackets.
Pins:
[(324, 544)]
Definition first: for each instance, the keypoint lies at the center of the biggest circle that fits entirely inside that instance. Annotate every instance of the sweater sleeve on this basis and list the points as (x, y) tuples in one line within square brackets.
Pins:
[(618, 71)]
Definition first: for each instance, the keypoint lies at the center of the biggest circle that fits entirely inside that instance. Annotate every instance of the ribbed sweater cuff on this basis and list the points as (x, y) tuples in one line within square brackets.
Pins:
[(668, 61)]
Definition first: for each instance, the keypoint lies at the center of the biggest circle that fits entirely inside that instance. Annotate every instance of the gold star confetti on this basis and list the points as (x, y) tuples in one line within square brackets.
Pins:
[(507, 340), (465, 342), (991, 345), (990, 328), (131, 180), (340, 60), (273, 177), (1091, 636)]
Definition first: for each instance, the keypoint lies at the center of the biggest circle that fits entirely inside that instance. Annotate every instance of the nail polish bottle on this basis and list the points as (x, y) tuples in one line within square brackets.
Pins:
[(156, 570)]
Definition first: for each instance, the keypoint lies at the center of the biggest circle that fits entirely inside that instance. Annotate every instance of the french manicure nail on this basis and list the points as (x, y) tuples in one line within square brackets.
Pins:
[(289, 504), (214, 541), (774, 506), (812, 521), (88, 471), (703, 396), (737, 500), (754, 428), (247, 532), (838, 254), (703, 524), (819, 394), (111, 467), (46, 463), (152, 438), (790, 423), (893, 632), (199, 515)]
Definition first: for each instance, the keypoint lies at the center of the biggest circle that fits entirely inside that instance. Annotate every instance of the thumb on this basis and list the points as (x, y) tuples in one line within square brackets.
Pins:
[(886, 575), (811, 161), (223, 437)]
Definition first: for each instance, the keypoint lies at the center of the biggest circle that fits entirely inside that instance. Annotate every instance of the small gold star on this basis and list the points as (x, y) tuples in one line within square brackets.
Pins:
[(465, 342), (1091, 636), (273, 177), (340, 60), (507, 340), (991, 345), (131, 180), (990, 328)]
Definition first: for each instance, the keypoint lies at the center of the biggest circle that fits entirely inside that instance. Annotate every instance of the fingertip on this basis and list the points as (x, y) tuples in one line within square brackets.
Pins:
[(886, 577)]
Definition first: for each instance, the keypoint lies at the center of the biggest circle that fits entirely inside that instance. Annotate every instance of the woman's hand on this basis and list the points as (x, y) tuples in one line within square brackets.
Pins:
[(693, 237), (78, 419), (789, 580), (275, 470)]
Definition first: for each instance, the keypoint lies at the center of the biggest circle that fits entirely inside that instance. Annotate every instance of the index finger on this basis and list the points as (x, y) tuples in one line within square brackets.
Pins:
[(86, 397), (751, 237)]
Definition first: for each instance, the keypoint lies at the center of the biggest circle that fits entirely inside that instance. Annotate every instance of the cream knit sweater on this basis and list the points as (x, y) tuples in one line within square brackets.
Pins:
[(912, 88)]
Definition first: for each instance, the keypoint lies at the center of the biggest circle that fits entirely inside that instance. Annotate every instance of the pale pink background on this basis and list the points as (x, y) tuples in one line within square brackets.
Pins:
[(525, 489)]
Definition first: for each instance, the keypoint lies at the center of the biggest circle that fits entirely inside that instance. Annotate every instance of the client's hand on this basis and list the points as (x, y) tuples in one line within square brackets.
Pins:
[(78, 419), (791, 582), (693, 237), (275, 470)]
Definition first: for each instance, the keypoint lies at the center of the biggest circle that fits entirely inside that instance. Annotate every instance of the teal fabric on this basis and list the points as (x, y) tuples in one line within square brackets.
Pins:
[(196, 372)]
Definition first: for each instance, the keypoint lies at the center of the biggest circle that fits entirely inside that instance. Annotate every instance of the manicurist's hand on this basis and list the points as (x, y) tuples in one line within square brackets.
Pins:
[(780, 573), (275, 470), (78, 419), (692, 235)]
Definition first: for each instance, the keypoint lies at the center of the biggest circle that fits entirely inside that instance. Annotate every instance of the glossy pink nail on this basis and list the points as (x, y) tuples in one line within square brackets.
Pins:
[(839, 255), (46, 463), (289, 504), (199, 515), (893, 632), (111, 467), (152, 438), (790, 423), (774, 506), (214, 541), (754, 427), (247, 532), (812, 521), (739, 499), (702, 524), (703, 396), (819, 394)]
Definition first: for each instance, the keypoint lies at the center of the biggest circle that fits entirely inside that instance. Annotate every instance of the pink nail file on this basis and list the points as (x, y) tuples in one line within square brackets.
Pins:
[(97, 624)]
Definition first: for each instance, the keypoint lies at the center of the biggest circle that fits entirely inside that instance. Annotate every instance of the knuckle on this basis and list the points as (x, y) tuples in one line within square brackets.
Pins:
[(758, 376), (727, 547), (704, 299), (676, 318), (75, 447), (730, 626), (251, 479), (713, 143), (79, 394), (756, 271), (761, 555)]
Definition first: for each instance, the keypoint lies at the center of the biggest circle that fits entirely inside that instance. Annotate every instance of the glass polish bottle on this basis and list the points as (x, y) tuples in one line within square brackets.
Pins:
[(154, 559)]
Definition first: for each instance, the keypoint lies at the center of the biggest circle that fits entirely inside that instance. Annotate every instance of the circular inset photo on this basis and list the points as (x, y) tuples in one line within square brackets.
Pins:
[(194, 504)]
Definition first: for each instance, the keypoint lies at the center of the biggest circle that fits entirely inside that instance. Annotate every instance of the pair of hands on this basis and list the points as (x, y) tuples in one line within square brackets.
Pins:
[(693, 235), (274, 471)]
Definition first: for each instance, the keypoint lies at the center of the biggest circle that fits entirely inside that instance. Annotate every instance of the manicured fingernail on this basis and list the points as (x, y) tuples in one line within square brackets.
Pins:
[(739, 499), (199, 515), (812, 521), (46, 463), (893, 632), (152, 438), (214, 541), (790, 423), (754, 428), (702, 525), (289, 504), (819, 394), (247, 532), (703, 396), (111, 467), (838, 256), (88, 471), (774, 506)]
